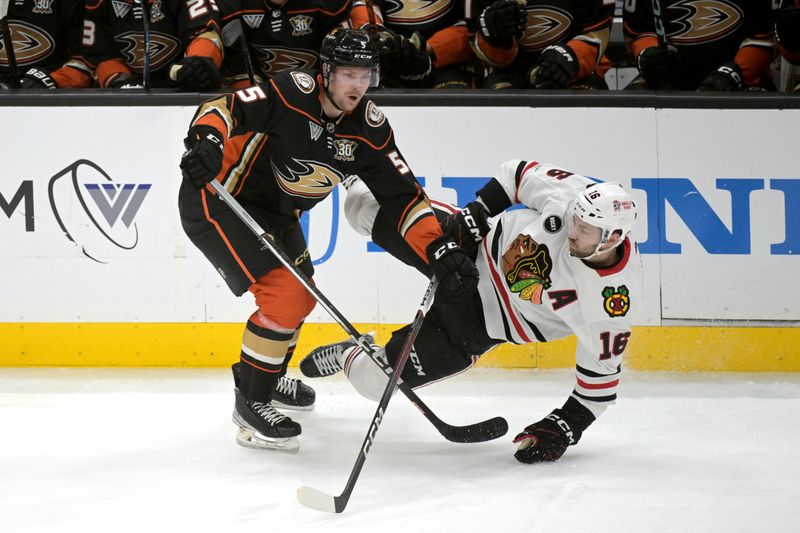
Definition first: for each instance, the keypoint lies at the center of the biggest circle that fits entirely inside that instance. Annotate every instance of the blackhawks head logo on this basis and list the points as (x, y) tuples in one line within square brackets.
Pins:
[(616, 301), (527, 266)]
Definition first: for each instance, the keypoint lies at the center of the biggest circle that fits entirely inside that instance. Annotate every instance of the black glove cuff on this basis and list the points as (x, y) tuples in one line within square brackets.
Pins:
[(439, 247), (196, 133), (576, 416), (494, 197)]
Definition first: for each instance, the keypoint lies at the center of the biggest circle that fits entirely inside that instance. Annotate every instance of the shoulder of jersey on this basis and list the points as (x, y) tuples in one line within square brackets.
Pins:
[(296, 82), (371, 122)]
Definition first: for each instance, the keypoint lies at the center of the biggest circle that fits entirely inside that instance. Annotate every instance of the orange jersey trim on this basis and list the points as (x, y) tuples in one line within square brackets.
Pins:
[(587, 57), (648, 41), (421, 234), (205, 48), (381, 147), (211, 119), (107, 69), (319, 10), (287, 104), (253, 160), (224, 237), (495, 55), (450, 46), (68, 77), (754, 62)]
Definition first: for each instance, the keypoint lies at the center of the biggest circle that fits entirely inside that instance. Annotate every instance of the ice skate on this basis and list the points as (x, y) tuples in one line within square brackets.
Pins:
[(327, 360), (262, 427), (293, 394)]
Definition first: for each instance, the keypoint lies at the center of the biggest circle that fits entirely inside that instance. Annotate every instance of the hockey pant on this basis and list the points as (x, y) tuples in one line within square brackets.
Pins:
[(452, 338), (283, 303)]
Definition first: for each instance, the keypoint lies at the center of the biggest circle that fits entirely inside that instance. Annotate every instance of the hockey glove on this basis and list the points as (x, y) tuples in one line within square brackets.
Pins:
[(203, 157), (502, 22), (467, 227), (456, 272), (198, 73), (548, 439), (406, 58), (555, 69), (658, 66), (727, 77), (37, 79)]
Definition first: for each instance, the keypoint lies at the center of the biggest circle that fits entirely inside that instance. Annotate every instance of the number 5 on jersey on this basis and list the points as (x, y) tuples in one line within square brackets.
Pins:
[(398, 162)]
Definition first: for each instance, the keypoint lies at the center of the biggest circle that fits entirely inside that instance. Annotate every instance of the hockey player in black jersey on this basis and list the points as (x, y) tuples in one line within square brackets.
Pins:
[(279, 35), (47, 34), (182, 33), (280, 148), (724, 45)]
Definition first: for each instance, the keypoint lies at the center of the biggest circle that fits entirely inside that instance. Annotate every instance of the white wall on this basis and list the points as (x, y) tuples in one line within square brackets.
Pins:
[(48, 278)]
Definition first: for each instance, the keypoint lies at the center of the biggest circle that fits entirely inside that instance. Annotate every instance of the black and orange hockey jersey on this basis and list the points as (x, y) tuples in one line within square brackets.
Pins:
[(583, 25), (284, 156), (113, 36), (46, 33), (441, 22), (286, 37), (707, 33)]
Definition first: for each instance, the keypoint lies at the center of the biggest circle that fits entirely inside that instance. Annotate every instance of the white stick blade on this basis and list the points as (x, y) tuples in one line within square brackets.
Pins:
[(315, 499)]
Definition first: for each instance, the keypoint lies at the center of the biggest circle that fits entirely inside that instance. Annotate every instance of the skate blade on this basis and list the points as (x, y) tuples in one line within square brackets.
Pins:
[(249, 438), (290, 407)]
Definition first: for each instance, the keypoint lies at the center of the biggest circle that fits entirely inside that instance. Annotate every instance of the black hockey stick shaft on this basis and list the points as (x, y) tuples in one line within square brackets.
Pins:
[(320, 501), (146, 57), (658, 22), (8, 44), (247, 59), (479, 432)]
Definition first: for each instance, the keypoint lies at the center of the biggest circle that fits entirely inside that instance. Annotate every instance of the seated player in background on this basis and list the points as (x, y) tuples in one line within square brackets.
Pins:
[(542, 44), (47, 36), (565, 266), (185, 45), (727, 46)]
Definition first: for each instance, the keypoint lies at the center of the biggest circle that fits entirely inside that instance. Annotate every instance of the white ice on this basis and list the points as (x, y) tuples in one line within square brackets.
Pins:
[(150, 451)]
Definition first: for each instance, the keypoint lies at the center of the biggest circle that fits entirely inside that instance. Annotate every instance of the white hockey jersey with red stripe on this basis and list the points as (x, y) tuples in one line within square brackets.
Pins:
[(533, 290)]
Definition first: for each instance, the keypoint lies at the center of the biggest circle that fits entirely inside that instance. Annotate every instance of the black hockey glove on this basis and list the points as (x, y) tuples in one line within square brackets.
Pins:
[(203, 157), (198, 73), (727, 77), (502, 22), (548, 439), (658, 66), (126, 81), (37, 79), (555, 69), (467, 227), (456, 272), (406, 58)]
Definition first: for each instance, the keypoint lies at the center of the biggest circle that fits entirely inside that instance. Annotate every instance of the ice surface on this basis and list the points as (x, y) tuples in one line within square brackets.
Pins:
[(150, 451)]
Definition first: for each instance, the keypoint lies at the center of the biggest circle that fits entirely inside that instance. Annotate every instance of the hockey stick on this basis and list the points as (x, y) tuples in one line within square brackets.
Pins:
[(658, 22), (232, 32), (479, 432), (8, 43), (316, 499), (146, 29)]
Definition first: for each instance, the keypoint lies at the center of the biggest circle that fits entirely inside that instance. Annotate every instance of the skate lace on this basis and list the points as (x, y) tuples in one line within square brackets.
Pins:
[(288, 386), (327, 359), (267, 412)]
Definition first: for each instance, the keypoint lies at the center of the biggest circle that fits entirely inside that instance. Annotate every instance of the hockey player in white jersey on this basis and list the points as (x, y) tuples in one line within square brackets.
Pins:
[(564, 266)]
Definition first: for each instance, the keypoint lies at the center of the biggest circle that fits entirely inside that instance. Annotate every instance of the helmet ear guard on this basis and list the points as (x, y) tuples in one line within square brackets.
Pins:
[(606, 206), (344, 47)]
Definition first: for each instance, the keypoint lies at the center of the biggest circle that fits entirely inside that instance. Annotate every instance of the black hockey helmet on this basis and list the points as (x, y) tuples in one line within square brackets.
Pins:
[(344, 47)]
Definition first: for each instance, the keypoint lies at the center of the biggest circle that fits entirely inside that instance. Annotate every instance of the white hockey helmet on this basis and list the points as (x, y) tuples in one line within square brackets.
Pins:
[(607, 206)]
